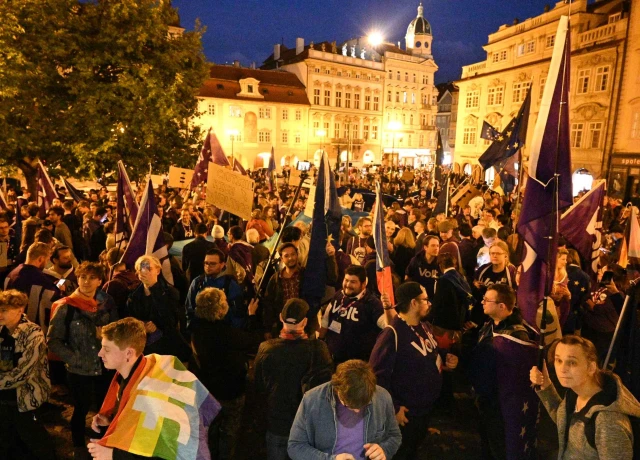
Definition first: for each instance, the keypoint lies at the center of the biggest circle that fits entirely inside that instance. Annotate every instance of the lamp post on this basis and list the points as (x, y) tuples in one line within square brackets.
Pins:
[(321, 133), (232, 134)]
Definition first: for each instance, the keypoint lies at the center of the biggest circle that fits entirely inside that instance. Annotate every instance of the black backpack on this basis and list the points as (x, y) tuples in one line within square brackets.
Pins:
[(590, 433), (317, 372)]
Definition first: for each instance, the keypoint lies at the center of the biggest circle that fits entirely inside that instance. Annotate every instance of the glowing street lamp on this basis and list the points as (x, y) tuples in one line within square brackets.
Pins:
[(321, 133)]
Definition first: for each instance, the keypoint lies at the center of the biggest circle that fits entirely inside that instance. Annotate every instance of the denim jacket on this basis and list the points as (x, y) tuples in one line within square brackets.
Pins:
[(314, 430)]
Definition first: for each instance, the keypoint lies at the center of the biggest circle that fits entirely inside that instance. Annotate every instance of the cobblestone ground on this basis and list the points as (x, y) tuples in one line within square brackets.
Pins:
[(452, 436)]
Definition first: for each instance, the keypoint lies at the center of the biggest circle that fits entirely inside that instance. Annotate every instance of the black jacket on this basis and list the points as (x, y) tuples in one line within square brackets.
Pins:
[(279, 368), (193, 256)]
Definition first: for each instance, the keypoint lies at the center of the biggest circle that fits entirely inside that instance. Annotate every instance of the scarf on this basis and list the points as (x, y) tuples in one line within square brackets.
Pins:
[(293, 334)]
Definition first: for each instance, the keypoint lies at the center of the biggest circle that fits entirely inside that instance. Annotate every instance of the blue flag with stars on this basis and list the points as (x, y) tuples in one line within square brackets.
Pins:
[(489, 132), (509, 141)]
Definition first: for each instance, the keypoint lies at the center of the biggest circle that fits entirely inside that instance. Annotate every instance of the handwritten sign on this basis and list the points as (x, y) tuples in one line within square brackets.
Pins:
[(230, 191), (180, 177)]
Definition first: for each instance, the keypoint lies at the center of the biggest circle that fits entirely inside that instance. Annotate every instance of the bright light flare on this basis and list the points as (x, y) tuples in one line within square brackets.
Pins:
[(375, 38)]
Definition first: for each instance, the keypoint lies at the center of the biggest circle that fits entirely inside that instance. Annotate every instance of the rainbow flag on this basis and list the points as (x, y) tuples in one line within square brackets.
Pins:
[(165, 412)]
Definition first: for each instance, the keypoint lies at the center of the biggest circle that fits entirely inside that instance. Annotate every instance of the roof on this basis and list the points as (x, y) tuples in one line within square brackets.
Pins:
[(275, 86), (289, 56), (388, 47), (448, 86), (419, 25)]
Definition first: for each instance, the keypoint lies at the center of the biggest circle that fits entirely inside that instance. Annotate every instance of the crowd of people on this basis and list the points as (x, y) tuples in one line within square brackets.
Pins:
[(358, 379)]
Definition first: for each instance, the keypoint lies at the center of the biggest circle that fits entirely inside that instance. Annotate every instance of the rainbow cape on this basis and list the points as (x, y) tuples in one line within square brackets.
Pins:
[(165, 412)]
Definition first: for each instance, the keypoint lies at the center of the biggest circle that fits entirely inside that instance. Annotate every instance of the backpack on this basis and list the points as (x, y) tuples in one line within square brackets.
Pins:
[(590, 433), (317, 372)]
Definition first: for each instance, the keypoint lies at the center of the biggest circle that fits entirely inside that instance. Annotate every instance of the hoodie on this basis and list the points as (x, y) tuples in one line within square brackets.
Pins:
[(613, 433)]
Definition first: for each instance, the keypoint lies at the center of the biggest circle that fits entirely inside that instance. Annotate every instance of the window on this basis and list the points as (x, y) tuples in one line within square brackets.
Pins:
[(249, 88), (338, 98), (211, 109), (388, 96), (285, 114), (404, 97), (345, 130), (495, 95), (336, 130), (550, 41), (391, 75), (264, 112), (411, 119), (499, 56), (406, 76), (404, 118), (327, 71), (595, 135), (316, 96), (414, 78), (374, 132), (365, 132), (327, 97), (520, 91), (409, 140), (298, 114), (577, 130), (356, 101), (397, 96), (367, 102), (339, 73), (425, 79), (469, 136), (357, 75), (264, 136), (298, 138), (421, 140), (354, 131), (635, 125), (316, 127), (526, 48), (317, 70), (583, 81), (602, 78), (472, 100), (413, 98), (285, 137), (615, 18), (543, 80), (347, 100), (398, 75), (425, 99), (423, 120), (325, 126), (235, 111), (376, 103)]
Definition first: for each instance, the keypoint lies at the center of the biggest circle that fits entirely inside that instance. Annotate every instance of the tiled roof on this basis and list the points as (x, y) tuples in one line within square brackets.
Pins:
[(275, 86)]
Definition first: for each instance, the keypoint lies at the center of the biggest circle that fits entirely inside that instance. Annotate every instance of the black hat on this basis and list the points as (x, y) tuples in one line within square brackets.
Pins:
[(408, 291), (294, 311)]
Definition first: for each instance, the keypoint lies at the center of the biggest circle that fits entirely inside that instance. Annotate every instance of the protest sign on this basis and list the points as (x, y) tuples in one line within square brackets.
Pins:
[(180, 177), (230, 191)]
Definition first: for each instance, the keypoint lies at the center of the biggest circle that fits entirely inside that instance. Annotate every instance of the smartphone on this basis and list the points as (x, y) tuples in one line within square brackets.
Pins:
[(104, 219), (304, 166), (60, 283), (607, 277)]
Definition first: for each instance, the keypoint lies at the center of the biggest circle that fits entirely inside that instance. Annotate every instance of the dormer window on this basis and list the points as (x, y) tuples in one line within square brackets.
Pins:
[(250, 87)]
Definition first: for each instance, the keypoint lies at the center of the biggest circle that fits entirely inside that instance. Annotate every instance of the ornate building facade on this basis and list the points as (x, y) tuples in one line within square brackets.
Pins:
[(518, 58)]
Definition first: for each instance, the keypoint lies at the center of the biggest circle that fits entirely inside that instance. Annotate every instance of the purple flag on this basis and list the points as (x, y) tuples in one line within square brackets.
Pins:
[(127, 206), (550, 148), (581, 225), (383, 261), (46, 191), (238, 167), (327, 217), (519, 403), (74, 193), (147, 236), (3, 201), (211, 151)]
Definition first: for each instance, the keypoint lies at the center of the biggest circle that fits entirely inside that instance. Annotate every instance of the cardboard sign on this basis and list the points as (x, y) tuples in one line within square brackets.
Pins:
[(180, 177), (294, 178), (230, 191), (311, 199), (464, 195)]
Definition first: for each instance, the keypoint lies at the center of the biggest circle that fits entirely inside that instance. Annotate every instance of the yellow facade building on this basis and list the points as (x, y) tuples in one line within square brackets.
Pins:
[(518, 58)]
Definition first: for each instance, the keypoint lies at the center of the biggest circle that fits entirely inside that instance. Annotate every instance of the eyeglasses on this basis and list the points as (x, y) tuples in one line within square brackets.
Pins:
[(485, 300)]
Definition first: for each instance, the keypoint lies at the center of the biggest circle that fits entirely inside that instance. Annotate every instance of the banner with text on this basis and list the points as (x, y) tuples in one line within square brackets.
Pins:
[(180, 177), (230, 191)]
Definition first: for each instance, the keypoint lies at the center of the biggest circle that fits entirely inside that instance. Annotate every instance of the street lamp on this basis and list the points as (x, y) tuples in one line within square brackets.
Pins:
[(394, 126), (321, 133), (232, 134)]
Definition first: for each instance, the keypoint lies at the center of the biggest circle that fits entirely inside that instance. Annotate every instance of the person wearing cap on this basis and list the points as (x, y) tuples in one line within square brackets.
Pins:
[(280, 366), (218, 235), (193, 253), (348, 418), (286, 284), (24, 381), (221, 353), (353, 319), (216, 275), (423, 267), (407, 362)]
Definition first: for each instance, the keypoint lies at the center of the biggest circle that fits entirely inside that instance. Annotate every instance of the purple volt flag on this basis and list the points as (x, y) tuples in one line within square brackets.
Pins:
[(581, 225), (383, 261), (519, 403), (46, 190), (325, 227), (211, 151), (127, 206), (550, 154), (74, 193), (147, 236)]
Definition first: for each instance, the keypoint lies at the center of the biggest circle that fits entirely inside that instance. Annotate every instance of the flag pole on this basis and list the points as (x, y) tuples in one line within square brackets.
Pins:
[(632, 291)]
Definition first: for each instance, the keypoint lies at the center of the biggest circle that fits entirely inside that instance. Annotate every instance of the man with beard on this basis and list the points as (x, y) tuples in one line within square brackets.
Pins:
[(62, 271), (62, 232), (356, 245), (408, 364), (423, 268), (353, 319)]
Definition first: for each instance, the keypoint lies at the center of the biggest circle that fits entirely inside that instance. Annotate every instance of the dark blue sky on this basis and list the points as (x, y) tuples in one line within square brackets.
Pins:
[(247, 29)]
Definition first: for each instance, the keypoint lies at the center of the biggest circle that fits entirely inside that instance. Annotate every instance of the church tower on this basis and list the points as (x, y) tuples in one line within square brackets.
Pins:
[(418, 39)]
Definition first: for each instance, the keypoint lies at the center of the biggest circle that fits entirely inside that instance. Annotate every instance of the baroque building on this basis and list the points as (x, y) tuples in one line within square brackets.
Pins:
[(518, 58)]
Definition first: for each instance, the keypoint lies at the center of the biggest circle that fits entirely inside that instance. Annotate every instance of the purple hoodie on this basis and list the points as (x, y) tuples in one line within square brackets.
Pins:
[(240, 252)]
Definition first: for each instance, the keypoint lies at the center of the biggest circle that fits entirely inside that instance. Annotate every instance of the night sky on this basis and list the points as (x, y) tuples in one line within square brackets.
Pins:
[(246, 30)]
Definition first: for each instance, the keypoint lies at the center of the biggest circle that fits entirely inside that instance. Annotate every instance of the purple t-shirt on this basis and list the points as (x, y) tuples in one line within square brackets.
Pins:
[(350, 432)]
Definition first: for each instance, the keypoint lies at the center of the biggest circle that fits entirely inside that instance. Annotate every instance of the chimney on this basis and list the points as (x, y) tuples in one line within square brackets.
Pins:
[(253, 65), (236, 63), (276, 52), (299, 45)]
